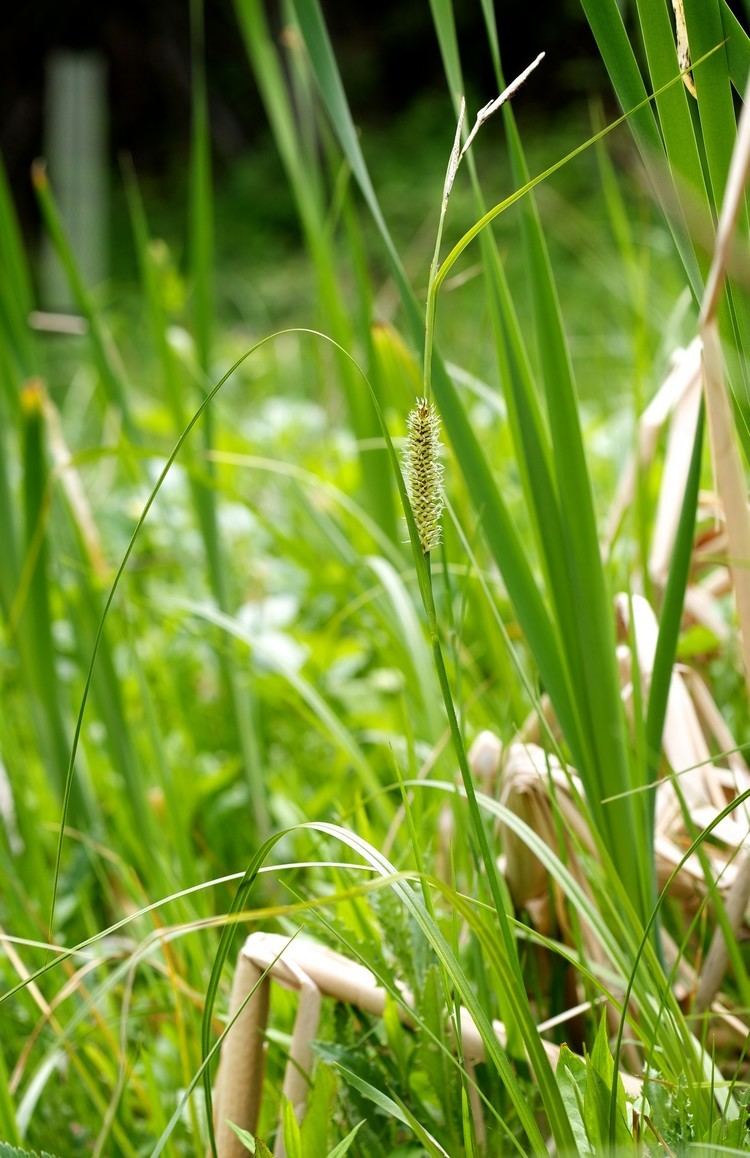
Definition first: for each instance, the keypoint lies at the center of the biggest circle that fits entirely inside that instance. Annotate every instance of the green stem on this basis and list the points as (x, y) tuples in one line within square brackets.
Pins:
[(432, 281), (477, 823), (531, 1038)]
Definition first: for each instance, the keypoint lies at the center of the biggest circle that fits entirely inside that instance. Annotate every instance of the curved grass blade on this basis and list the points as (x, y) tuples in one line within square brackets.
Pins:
[(68, 784), (471, 234)]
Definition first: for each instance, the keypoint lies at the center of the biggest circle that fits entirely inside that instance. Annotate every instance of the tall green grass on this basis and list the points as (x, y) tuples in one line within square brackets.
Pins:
[(249, 711)]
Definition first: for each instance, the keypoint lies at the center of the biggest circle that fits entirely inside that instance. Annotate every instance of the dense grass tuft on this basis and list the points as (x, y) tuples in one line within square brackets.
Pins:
[(476, 799)]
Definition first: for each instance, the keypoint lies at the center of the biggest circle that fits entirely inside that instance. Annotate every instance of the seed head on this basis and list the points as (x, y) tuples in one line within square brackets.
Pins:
[(424, 473)]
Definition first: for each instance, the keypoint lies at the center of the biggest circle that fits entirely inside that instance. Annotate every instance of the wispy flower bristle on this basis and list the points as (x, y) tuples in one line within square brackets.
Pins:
[(424, 473)]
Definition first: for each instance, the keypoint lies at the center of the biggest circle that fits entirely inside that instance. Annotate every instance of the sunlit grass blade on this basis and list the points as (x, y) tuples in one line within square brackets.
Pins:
[(18, 363), (302, 168), (172, 373)]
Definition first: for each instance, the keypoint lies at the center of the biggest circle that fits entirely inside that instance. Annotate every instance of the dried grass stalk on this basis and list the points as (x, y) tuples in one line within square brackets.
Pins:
[(715, 965), (730, 478), (679, 383), (239, 1084), (316, 971)]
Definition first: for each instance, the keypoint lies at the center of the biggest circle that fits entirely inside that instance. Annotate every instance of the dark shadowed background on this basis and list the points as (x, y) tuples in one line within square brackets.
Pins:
[(387, 53)]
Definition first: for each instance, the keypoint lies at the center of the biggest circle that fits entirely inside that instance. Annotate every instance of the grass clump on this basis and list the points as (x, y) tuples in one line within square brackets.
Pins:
[(486, 836)]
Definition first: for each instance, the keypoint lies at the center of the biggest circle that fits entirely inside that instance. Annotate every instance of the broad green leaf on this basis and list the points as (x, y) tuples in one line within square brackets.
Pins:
[(316, 1122), (600, 1073), (571, 1077)]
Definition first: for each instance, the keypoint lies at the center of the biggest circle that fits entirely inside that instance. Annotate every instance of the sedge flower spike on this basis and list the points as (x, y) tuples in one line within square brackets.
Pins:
[(424, 473)]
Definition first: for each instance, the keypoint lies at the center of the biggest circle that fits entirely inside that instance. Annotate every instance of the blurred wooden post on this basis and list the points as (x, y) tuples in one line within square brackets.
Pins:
[(76, 150)]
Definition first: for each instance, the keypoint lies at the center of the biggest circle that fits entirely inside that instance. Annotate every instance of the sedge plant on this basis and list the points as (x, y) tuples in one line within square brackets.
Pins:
[(255, 650)]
